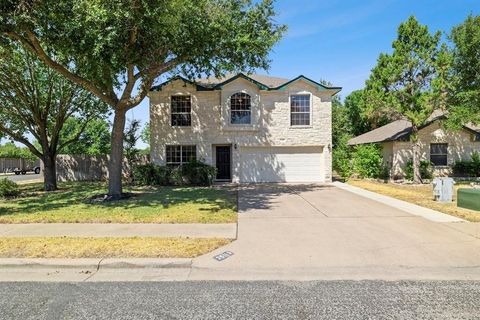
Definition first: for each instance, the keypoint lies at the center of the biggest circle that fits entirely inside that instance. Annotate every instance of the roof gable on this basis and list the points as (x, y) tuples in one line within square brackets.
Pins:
[(266, 83), (398, 130)]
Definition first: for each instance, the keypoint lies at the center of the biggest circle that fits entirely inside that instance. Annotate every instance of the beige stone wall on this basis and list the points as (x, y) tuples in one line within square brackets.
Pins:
[(211, 126), (460, 146)]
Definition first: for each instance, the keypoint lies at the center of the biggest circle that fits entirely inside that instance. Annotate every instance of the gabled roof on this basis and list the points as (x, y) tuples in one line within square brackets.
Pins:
[(400, 130), (262, 81)]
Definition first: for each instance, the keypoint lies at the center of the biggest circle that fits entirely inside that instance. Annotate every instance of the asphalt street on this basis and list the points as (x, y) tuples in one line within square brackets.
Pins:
[(241, 300), (19, 178)]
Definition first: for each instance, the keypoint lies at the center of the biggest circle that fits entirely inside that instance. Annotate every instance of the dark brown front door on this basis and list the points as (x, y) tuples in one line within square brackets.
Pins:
[(223, 160)]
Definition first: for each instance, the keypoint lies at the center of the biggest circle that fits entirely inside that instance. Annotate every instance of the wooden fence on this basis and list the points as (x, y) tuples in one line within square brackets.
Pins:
[(88, 168), (8, 164)]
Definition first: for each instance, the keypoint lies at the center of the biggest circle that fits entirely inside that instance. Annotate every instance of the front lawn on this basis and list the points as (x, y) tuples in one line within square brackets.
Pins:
[(66, 247), (421, 195), (72, 204)]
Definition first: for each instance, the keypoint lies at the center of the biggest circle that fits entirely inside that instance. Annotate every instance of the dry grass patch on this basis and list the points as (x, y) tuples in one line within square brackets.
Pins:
[(70, 247), (421, 195)]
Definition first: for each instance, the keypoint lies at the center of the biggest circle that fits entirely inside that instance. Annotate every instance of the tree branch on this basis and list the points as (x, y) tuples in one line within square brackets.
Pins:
[(33, 45)]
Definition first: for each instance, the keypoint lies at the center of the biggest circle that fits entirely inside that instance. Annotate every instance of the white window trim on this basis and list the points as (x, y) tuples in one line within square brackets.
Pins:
[(172, 113), (302, 93), (230, 110)]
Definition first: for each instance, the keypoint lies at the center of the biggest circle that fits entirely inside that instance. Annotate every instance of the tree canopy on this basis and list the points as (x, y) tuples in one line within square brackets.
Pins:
[(93, 140), (402, 83), (37, 101), (116, 49), (464, 94)]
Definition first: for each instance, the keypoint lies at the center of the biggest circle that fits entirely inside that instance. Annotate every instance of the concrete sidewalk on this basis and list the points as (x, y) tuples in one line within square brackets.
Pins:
[(103, 230), (411, 208)]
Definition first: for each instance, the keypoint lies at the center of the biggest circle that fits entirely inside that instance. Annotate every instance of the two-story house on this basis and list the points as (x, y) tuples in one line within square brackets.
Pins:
[(252, 128)]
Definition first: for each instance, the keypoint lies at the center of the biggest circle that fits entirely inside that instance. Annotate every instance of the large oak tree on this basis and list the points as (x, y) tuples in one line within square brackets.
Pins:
[(35, 101), (116, 49)]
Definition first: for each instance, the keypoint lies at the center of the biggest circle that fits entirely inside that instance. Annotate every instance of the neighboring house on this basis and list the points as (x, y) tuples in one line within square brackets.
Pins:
[(437, 145), (252, 128)]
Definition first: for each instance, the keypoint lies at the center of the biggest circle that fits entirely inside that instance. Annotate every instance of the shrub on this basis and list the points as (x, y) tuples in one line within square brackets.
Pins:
[(8, 188), (193, 173), (198, 173), (468, 168), (426, 171), (368, 161), (342, 158), (151, 174)]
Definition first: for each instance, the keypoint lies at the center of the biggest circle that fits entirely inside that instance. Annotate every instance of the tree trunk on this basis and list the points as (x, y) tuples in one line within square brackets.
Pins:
[(116, 155), (49, 172), (417, 178)]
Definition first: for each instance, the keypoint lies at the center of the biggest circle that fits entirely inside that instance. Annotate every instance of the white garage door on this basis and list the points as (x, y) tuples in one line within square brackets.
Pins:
[(281, 164)]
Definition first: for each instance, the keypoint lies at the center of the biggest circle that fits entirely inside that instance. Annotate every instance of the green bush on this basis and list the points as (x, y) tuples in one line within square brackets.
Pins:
[(426, 171), (342, 158), (368, 161), (151, 174), (198, 173), (468, 168), (8, 188), (193, 173)]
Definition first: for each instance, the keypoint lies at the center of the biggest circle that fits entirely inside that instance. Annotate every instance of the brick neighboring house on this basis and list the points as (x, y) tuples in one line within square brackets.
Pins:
[(437, 145), (253, 128)]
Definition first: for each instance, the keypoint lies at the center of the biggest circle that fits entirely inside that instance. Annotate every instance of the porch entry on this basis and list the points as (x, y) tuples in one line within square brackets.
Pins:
[(223, 162)]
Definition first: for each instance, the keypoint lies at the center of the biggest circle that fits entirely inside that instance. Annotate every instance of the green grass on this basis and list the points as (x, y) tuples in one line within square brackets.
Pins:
[(70, 204)]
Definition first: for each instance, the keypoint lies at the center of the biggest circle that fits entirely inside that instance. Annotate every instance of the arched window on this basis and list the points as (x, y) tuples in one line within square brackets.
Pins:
[(240, 108)]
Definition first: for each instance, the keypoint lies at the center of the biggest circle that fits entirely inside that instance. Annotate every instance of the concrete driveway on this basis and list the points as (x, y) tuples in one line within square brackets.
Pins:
[(305, 232)]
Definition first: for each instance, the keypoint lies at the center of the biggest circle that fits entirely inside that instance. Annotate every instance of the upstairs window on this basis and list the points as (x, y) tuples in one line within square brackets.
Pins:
[(438, 154), (300, 110), (177, 155), (240, 108), (181, 111)]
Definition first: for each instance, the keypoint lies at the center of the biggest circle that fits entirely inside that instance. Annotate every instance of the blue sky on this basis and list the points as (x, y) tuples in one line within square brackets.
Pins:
[(340, 40)]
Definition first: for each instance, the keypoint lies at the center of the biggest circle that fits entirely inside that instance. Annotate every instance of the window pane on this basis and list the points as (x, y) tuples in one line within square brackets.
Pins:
[(181, 119), (438, 148), (439, 154), (300, 119), (189, 153), (181, 111), (173, 154), (439, 160), (240, 108), (300, 110), (240, 117)]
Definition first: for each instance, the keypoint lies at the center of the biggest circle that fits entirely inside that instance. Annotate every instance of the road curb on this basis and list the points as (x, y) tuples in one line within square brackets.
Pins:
[(95, 264)]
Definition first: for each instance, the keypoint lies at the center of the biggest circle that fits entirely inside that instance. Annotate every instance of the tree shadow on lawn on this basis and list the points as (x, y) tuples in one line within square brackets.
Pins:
[(78, 194)]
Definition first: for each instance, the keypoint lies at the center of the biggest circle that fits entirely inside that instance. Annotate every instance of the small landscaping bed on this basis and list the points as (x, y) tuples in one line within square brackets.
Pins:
[(73, 203), (69, 247), (420, 195)]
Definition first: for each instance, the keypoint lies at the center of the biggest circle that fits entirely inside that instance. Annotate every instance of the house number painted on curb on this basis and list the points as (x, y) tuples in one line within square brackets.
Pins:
[(223, 256)]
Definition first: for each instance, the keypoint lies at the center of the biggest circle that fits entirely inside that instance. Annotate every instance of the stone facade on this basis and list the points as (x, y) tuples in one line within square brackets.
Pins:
[(270, 124), (461, 144)]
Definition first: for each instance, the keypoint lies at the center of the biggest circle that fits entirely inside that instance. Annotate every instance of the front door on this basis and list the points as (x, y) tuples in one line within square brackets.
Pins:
[(223, 162)]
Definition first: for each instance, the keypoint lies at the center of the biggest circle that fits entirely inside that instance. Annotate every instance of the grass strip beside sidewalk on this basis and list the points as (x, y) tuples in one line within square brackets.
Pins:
[(71, 247), (421, 195)]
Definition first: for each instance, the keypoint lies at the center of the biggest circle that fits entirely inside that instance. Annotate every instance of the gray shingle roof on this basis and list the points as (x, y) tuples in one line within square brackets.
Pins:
[(269, 81), (398, 130)]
